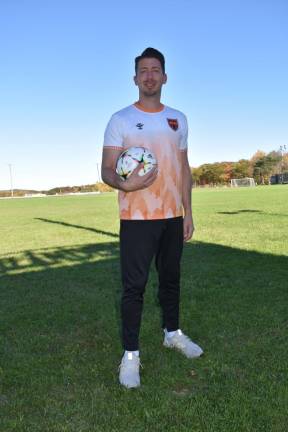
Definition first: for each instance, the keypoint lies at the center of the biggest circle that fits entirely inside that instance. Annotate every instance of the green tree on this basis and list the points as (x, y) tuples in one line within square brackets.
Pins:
[(242, 169), (196, 174), (266, 166)]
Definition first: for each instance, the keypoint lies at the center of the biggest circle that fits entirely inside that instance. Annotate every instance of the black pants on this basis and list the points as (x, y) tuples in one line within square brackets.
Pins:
[(140, 241)]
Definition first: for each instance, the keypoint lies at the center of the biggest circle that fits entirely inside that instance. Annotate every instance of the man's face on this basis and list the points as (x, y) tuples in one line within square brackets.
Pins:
[(150, 77)]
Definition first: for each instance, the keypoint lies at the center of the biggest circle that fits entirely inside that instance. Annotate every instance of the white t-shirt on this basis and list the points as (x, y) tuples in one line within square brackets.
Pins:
[(165, 134)]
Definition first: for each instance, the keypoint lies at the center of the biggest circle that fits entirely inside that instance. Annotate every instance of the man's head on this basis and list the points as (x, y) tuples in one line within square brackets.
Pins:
[(150, 72), (151, 53)]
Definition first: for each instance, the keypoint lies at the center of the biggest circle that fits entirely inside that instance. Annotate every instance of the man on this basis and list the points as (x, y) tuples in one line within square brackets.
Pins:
[(151, 209)]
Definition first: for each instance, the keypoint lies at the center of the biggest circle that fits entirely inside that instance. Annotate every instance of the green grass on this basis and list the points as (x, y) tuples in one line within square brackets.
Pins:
[(59, 319)]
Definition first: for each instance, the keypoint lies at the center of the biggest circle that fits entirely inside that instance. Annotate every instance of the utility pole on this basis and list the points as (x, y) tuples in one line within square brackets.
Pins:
[(99, 178), (11, 181), (282, 151)]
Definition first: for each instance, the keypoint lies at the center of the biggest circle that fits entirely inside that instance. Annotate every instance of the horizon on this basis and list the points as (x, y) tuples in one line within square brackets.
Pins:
[(100, 181)]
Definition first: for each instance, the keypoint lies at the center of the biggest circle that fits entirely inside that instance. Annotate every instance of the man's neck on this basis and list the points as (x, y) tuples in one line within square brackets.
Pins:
[(150, 104)]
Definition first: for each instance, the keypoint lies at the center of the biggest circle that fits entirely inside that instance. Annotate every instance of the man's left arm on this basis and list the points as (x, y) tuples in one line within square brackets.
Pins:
[(188, 226)]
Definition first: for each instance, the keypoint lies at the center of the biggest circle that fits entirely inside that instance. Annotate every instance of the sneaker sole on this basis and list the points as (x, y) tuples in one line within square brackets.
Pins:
[(129, 386), (167, 345)]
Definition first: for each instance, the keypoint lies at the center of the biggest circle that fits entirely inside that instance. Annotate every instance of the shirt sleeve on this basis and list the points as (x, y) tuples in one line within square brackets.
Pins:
[(113, 136), (184, 134)]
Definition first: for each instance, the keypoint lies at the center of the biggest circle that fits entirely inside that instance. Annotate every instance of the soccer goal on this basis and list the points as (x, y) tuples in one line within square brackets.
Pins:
[(246, 181)]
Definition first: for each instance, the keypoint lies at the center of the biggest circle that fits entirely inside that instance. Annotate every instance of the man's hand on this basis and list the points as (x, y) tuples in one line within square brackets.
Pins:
[(188, 227), (133, 183), (136, 182)]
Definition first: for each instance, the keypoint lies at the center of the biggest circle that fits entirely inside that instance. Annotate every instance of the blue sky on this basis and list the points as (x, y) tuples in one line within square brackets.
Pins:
[(66, 66)]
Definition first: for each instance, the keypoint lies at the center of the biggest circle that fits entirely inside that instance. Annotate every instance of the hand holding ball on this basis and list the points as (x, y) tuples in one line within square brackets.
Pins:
[(131, 158)]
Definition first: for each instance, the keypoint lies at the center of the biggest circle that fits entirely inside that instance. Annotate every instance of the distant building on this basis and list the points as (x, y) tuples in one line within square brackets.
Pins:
[(279, 178), (33, 195)]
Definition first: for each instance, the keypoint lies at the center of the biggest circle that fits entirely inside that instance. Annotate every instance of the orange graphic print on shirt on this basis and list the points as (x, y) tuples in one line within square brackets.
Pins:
[(162, 199)]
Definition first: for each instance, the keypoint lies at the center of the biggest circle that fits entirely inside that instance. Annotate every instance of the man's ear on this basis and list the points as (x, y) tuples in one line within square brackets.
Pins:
[(135, 80), (165, 78)]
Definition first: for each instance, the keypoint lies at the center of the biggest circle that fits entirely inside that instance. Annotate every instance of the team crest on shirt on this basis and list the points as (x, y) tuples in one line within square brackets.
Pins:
[(173, 123), (140, 126)]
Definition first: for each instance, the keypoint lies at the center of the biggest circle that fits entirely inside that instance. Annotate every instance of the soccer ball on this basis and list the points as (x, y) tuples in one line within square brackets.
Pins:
[(130, 158)]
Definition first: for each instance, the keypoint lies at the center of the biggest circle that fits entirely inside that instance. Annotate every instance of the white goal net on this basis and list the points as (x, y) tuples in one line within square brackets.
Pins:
[(246, 181)]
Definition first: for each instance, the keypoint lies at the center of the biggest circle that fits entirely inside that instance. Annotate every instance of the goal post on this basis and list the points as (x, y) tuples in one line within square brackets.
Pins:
[(242, 182)]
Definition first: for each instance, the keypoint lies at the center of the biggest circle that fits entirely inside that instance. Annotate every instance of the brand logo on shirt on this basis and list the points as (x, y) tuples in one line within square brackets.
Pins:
[(173, 123), (140, 126)]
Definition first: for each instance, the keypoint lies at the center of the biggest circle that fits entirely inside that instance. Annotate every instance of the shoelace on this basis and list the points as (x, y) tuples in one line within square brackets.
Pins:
[(126, 366), (182, 339)]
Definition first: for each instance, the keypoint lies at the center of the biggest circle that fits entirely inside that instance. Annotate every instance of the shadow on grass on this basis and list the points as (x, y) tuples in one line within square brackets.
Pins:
[(94, 268), (48, 258), (41, 283), (240, 211), (250, 211), (59, 321), (68, 225)]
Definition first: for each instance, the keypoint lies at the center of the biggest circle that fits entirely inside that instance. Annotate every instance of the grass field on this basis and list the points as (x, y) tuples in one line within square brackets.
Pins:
[(59, 319)]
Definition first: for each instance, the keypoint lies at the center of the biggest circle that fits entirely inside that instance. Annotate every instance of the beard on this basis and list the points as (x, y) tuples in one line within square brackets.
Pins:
[(151, 92)]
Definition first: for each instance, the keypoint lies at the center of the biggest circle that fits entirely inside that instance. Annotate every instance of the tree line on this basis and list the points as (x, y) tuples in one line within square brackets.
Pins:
[(261, 167)]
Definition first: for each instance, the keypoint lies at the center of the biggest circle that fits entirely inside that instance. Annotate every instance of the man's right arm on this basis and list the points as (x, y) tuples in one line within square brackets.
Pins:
[(108, 168)]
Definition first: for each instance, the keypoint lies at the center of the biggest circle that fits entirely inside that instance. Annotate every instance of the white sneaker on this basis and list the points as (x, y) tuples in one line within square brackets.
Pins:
[(182, 343), (129, 370)]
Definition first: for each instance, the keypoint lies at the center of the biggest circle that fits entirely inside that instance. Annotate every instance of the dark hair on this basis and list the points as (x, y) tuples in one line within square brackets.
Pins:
[(151, 53)]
